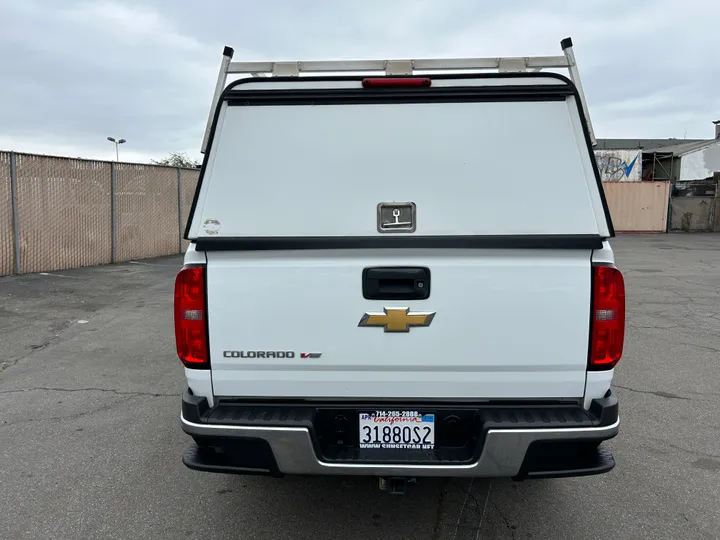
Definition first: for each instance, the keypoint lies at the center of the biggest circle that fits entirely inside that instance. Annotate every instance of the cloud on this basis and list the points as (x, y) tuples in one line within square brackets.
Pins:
[(92, 70), (75, 72)]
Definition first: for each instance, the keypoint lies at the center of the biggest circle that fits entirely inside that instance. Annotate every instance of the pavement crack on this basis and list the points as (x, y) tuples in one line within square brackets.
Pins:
[(440, 511), (68, 416), (57, 329), (658, 393), (704, 347), (89, 389), (508, 525), (467, 492), (686, 450), (630, 325), (482, 517)]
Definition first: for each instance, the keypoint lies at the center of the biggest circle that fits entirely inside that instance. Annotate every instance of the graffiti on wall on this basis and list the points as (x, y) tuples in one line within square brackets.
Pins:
[(619, 165)]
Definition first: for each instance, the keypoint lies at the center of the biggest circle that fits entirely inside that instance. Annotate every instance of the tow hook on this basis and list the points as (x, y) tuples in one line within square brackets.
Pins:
[(396, 485)]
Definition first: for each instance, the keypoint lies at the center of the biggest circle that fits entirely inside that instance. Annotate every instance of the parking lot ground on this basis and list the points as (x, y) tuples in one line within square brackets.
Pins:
[(90, 441)]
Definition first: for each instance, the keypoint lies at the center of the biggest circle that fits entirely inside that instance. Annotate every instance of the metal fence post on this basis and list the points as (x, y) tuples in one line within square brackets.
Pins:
[(180, 212), (711, 213), (113, 211), (14, 202)]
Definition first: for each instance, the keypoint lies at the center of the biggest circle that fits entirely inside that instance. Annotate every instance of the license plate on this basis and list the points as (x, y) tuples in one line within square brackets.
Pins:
[(399, 430)]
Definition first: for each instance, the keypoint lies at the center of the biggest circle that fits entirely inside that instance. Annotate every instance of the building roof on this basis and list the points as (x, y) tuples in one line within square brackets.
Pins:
[(683, 148), (644, 144)]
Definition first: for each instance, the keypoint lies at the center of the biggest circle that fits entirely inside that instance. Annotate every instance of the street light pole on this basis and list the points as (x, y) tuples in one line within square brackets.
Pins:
[(117, 143)]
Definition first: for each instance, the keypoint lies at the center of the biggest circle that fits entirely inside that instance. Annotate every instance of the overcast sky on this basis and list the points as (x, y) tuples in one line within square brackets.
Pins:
[(73, 72)]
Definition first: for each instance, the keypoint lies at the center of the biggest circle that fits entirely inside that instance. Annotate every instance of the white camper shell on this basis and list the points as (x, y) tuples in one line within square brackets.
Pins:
[(382, 243)]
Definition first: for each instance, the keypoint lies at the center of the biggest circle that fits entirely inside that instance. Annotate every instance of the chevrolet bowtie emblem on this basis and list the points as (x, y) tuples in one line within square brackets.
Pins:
[(397, 319)]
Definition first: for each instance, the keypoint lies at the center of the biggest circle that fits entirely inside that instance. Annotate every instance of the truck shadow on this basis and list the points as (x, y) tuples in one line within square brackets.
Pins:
[(350, 507)]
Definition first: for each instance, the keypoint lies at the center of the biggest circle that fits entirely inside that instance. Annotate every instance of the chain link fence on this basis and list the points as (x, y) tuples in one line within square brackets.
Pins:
[(7, 242), (146, 205), (187, 193), (58, 213)]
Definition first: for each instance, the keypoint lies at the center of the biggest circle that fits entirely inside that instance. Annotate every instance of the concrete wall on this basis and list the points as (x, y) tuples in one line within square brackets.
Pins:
[(693, 213), (701, 163), (619, 165)]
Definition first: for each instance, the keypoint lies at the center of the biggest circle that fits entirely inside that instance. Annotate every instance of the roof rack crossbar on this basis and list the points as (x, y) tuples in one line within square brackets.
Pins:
[(397, 67)]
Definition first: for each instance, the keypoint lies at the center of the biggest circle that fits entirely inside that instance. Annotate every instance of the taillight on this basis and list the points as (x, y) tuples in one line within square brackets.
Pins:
[(377, 82), (608, 317), (190, 318)]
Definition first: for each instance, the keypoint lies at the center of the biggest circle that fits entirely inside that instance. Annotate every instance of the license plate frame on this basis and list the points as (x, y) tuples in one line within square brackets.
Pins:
[(396, 430)]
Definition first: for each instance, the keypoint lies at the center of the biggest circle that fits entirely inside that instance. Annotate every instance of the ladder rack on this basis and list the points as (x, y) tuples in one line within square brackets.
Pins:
[(395, 68)]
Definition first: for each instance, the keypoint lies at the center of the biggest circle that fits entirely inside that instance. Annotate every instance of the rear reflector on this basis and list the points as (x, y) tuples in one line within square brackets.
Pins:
[(190, 327), (379, 82), (608, 318)]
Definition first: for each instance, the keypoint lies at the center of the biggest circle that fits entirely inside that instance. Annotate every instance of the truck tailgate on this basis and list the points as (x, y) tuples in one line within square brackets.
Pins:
[(507, 324)]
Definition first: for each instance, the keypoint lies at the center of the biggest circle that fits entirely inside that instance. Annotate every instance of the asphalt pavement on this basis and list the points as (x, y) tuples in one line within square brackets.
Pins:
[(90, 441)]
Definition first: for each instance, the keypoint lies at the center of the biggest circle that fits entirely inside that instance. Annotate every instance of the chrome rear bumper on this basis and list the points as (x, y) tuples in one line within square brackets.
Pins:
[(502, 455)]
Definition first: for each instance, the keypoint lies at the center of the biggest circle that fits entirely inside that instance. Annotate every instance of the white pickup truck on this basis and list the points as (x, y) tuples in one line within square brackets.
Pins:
[(400, 274)]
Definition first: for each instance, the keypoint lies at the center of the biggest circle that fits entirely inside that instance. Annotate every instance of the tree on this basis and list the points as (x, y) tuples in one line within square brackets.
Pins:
[(177, 159)]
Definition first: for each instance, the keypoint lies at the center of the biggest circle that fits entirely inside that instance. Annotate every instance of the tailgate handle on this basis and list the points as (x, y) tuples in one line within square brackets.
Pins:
[(396, 283)]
